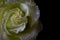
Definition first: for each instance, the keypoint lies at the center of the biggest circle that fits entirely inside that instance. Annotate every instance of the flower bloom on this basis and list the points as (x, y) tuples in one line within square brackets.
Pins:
[(18, 19)]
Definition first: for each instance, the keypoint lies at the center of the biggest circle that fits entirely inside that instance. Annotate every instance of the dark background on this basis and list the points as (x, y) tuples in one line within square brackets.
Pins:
[(43, 6)]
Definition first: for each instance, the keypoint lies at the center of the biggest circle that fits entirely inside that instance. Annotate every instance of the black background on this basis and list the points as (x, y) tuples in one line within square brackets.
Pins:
[(43, 6)]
